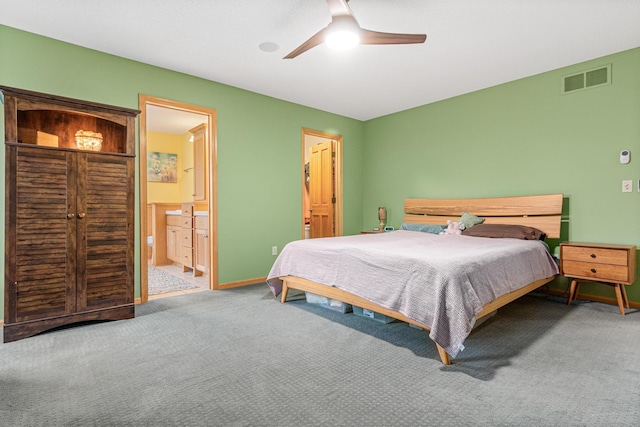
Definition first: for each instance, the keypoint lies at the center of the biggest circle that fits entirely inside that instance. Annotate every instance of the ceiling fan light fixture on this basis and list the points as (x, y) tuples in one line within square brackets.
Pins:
[(344, 32), (342, 39)]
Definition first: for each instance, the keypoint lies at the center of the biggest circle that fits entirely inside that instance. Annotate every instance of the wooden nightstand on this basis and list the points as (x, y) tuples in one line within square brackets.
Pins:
[(613, 265)]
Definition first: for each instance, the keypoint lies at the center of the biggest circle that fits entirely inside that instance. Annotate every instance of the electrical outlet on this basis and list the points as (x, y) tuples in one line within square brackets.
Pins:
[(627, 186), (274, 250)]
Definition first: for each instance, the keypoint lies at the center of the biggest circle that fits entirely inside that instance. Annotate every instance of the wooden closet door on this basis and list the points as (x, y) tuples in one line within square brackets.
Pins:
[(105, 230), (322, 189), (40, 263)]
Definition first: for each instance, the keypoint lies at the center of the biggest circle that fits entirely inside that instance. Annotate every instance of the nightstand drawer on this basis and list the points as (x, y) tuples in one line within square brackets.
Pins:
[(596, 271), (595, 255)]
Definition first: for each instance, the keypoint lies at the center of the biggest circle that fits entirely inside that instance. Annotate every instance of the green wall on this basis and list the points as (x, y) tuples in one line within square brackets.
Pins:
[(259, 141), (520, 138)]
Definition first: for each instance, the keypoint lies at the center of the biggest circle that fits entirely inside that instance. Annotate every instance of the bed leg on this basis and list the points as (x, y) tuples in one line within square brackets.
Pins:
[(444, 356), (285, 291)]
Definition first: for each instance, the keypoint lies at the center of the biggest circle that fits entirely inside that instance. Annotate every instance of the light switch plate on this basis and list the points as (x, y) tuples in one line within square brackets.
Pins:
[(627, 186)]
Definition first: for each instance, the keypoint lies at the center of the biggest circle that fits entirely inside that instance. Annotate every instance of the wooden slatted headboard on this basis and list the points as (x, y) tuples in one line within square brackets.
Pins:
[(541, 211)]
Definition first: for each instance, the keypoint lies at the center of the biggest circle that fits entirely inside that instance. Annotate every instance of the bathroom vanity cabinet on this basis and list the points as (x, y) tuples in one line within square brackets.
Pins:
[(201, 243), (187, 239), (69, 227), (174, 238)]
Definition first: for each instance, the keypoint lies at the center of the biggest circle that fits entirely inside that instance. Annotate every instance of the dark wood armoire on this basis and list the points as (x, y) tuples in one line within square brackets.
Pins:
[(69, 212)]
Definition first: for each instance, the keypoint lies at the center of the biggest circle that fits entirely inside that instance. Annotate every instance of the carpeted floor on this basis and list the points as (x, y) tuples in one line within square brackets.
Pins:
[(240, 358), (161, 282)]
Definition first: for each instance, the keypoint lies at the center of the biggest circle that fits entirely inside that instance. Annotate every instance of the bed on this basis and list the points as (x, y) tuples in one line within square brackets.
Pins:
[(442, 283)]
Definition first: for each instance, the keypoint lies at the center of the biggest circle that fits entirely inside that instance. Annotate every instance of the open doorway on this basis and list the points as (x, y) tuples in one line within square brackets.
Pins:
[(321, 184), (199, 125)]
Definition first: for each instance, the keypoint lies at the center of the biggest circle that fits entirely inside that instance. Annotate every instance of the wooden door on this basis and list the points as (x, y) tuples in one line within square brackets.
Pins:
[(322, 190), (40, 264), (105, 230)]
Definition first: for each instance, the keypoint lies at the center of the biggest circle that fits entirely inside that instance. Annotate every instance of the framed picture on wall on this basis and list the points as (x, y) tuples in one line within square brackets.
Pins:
[(162, 167)]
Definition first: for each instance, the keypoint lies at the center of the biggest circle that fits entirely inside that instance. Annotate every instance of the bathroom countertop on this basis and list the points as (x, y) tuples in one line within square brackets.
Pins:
[(179, 212)]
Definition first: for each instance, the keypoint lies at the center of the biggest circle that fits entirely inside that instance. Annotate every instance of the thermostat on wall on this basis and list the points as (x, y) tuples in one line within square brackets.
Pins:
[(624, 156)]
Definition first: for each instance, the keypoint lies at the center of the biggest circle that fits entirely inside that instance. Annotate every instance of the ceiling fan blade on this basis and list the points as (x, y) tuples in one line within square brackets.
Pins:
[(342, 18), (314, 41), (339, 8), (376, 37)]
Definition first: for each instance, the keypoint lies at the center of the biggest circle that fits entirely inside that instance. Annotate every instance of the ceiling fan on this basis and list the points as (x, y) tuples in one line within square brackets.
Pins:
[(344, 29)]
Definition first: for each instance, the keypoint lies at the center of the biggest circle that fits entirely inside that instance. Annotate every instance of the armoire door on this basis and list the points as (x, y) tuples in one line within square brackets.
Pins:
[(40, 264), (105, 209)]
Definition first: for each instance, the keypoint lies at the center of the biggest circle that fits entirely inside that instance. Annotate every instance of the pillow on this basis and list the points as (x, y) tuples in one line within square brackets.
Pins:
[(425, 228), (469, 220), (521, 232)]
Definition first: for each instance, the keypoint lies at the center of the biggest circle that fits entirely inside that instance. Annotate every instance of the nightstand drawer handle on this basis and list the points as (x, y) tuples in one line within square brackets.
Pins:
[(593, 270), (593, 255)]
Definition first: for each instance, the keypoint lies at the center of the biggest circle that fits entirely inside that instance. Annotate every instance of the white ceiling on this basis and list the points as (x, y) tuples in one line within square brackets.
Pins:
[(168, 120), (471, 44)]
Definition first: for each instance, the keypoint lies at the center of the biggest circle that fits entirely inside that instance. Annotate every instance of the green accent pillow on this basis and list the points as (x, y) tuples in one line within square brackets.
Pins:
[(425, 228), (469, 220)]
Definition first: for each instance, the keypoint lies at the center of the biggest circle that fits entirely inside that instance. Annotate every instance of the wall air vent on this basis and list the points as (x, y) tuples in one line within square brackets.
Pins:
[(587, 79)]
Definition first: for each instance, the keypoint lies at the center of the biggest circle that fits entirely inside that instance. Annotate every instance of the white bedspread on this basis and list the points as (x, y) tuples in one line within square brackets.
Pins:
[(441, 281)]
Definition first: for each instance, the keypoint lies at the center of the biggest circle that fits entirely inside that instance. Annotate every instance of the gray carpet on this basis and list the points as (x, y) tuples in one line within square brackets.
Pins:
[(160, 282), (239, 358)]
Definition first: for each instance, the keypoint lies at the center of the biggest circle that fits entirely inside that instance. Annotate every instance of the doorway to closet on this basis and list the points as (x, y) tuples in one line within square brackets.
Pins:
[(321, 184), (196, 200)]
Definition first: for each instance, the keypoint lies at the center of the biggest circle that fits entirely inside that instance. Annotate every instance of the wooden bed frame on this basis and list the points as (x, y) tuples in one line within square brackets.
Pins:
[(541, 211)]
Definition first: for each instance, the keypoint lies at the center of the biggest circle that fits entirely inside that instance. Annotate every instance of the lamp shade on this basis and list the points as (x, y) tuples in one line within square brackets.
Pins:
[(382, 214)]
